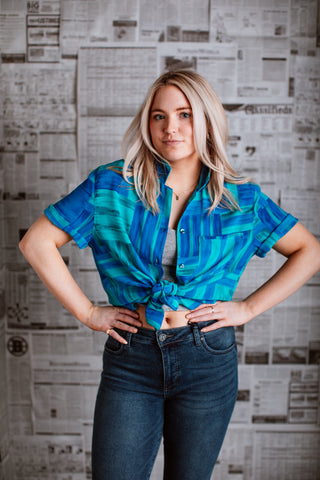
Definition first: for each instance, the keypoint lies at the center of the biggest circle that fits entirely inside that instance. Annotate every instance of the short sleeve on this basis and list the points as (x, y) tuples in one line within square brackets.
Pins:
[(75, 212), (271, 222)]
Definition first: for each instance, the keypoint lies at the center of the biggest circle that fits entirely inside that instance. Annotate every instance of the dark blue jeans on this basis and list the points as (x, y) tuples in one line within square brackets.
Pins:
[(178, 383)]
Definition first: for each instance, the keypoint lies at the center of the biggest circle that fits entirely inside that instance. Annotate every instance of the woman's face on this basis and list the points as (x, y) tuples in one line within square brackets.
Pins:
[(171, 125)]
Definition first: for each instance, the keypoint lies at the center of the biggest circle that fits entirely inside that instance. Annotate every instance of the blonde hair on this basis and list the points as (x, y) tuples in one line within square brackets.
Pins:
[(210, 133)]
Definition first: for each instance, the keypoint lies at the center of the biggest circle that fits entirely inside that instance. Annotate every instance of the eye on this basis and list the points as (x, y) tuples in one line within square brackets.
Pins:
[(185, 115), (158, 116)]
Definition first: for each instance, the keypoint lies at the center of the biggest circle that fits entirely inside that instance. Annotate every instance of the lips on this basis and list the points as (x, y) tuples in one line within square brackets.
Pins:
[(172, 142)]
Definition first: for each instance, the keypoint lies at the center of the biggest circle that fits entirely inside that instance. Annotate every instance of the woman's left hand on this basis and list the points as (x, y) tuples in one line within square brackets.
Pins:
[(226, 314)]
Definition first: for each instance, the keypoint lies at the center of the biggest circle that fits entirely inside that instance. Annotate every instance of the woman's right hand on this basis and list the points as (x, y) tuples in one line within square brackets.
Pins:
[(40, 246), (105, 319)]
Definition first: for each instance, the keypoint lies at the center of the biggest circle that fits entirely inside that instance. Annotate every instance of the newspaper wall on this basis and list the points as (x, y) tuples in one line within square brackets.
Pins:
[(73, 73)]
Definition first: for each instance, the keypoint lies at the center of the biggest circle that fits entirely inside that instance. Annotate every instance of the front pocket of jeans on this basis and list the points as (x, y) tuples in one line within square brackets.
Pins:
[(113, 346), (219, 341)]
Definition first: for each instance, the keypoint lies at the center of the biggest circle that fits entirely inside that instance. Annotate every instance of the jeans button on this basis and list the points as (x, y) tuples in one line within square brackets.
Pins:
[(162, 337)]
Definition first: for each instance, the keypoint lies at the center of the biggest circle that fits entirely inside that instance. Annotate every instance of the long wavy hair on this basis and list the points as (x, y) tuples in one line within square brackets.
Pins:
[(210, 133)]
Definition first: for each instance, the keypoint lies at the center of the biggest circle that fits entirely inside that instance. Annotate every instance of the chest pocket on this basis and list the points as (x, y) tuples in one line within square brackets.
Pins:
[(227, 252)]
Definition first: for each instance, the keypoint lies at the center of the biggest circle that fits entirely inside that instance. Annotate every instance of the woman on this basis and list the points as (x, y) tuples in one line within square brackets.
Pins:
[(171, 228)]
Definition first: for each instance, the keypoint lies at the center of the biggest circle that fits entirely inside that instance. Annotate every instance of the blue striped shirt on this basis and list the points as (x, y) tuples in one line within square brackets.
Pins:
[(127, 239)]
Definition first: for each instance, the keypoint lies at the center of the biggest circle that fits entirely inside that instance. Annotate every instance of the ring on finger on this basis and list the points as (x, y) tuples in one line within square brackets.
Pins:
[(108, 331), (212, 309)]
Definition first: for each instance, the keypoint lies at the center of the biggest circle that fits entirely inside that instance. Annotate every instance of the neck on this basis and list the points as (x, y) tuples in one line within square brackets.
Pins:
[(184, 177)]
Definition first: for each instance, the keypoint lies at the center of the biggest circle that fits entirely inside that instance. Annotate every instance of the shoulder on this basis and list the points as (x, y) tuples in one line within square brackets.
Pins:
[(245, 194), (106, 169), (109, 181), (108, 174)]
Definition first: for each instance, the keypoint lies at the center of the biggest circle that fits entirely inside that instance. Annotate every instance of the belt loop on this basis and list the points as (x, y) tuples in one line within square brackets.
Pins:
[(196, 333)]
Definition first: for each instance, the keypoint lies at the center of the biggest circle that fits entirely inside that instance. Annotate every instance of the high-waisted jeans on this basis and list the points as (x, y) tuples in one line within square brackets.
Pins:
[(179, 384)]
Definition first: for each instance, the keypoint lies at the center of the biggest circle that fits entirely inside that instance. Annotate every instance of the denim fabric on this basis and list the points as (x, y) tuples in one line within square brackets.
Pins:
[(178, 383)]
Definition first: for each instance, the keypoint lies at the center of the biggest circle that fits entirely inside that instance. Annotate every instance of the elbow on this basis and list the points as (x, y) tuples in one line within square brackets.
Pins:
[(41, 239), (31, 244), (25, 245), (22, 244)]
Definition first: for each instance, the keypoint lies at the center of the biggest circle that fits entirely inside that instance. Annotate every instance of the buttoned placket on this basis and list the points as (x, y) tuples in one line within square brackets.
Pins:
[(181, 230), (165, 202), (181, 234)]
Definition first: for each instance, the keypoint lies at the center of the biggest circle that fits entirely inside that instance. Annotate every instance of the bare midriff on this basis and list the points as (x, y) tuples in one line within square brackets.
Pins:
[(171, 319)]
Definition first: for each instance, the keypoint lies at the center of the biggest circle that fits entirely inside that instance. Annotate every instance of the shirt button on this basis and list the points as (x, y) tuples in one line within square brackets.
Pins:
[(162, 337), (182, 230), (181, 265)]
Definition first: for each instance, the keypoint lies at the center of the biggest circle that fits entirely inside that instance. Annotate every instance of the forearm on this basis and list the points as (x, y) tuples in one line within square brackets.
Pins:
[(45, 259), (297, 270)]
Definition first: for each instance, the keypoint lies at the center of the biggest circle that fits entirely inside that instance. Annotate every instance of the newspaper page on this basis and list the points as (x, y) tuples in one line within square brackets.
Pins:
[(304, 204), (259, 144), (30, 31), (260, 454), (4, 413), (236, 456), (43, 38), (278, 453), (217, 64), (18, 367), (31, 306), (100, 139), (306, 89), (274, 394), (12, 36), (43, 31), (49, 457), (262, 68), (113, 80), (186, 21), (13, 31), (306, 168), (97, 22), (111, 86), (232, 21), (293, 336), (64, 391), (243, 409), (58, 160), (39, 126), (303, 18), (28, 304)]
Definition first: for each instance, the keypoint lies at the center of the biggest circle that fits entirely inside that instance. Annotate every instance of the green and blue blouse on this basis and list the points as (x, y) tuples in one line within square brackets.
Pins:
[(127, 239)]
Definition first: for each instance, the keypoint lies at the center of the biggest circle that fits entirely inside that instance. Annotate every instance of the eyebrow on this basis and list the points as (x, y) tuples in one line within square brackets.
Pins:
[(177, 109)]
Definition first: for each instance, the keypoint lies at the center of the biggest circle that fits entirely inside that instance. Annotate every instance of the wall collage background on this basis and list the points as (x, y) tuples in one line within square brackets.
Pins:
[(72, 75)]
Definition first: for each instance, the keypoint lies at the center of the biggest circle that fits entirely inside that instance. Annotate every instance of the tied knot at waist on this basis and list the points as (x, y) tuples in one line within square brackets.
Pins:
[(164, 293), (161, 293)]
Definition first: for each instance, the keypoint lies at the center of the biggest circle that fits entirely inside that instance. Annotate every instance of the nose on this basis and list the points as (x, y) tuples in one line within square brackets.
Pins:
[(171, 125)]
